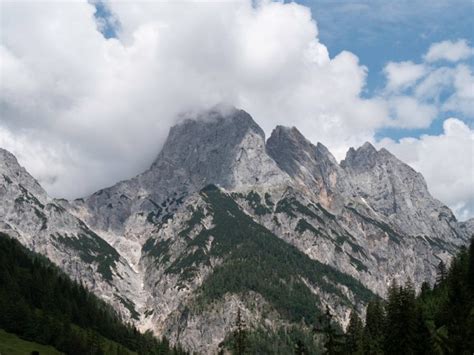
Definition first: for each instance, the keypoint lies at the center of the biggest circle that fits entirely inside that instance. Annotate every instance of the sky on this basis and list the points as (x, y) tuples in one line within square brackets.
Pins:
[(89, 90)]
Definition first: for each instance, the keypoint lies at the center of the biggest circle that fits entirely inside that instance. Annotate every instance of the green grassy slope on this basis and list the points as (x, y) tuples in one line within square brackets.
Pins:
[(10, 344)]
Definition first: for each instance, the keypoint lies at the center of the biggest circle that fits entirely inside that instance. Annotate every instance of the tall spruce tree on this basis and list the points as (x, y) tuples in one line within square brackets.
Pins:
[(374, 330), (240, 336), (333, 343), (401, 320), (441, 273), (354, 335)]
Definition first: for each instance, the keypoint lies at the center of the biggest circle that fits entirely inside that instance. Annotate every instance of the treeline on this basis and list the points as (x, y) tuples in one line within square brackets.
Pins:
[(40, 303), (439, 320)]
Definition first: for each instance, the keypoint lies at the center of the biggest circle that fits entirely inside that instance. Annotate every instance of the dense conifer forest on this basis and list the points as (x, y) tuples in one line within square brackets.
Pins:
[(40, 303)]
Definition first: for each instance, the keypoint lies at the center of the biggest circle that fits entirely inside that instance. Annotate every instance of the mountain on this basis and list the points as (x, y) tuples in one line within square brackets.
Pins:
[(40, 303), (224, 220)]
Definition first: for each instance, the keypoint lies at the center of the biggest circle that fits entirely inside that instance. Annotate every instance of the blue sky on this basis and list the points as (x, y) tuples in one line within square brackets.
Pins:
[(379, 31)]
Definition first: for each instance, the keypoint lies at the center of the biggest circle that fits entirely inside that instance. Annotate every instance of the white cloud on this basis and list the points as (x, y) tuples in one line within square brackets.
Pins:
[(417, 93), (408, 112), (111, 102), (446, 161), (401, 75), (449, 51), (462, 100), (82, 111)]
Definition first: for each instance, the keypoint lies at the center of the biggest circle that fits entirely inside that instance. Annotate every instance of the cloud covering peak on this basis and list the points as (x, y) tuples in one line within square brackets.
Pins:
[(82, 110)]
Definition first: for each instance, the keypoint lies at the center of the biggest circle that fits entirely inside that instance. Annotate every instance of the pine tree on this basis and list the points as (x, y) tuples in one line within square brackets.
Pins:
[(442, 273), (332, 342), (402, 320), (240, 335), (374, 328), (354, 335)]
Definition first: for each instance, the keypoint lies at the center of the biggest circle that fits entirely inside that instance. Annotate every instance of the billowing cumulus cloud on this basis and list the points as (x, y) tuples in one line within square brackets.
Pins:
[(408, 112), (105, 105), (82, 111)]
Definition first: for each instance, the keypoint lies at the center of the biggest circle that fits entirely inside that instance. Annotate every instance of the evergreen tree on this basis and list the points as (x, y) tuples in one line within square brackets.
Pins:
[(401, 321), (374, 334), (354, 335), (240, 335), (333, 342), (442, 273)]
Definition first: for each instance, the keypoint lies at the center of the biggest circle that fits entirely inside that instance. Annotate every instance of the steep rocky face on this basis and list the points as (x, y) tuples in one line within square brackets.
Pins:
[(313, 166), (397, 192), (43, 225), (226, 149), (224, 221), (12, 172), (209, 149), (212, 255)]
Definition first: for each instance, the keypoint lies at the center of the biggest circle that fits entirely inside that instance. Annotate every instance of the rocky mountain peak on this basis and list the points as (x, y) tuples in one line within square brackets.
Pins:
[(14, 173), (395, 190), (8, 163), (314, 166), (225, 129), (362, 158), (214, 147)]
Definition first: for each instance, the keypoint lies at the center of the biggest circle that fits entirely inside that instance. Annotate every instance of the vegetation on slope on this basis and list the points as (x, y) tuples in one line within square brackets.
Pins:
[(257, 260), (12, 345), (40, 303), (439, 320)]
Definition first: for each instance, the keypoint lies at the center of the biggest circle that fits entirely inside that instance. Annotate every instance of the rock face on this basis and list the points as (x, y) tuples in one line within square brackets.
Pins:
[(223, 220), (396, 191), (43, 225), (312, 166)]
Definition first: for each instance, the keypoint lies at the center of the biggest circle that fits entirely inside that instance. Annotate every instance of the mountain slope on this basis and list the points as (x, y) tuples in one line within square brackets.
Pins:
[(221, 259), (41, 304), (43, 225), (176, 256)]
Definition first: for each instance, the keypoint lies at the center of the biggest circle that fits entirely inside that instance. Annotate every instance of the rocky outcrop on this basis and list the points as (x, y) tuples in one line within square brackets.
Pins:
[(314, 167), (400, 194), (43, 225), (224, 220)]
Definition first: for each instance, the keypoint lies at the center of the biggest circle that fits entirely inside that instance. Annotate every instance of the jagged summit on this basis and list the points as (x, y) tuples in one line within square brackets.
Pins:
[(362, 158), (226, 148), (207, 131), (314, 166), (152, 245), (14, 173)]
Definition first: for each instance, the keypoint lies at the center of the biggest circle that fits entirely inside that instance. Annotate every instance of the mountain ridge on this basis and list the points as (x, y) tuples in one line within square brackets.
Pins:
[(371, 218)]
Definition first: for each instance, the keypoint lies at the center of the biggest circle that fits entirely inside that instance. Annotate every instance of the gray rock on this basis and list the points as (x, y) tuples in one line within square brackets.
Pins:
[(371, 217)]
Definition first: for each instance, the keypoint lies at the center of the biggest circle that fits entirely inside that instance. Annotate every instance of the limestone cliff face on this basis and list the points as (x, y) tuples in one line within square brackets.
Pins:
[(398, 193), (314, 167), (43, 225), (221, 203)]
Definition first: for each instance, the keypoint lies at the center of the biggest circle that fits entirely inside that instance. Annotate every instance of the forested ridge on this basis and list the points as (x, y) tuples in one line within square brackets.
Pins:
[(439, 320), (40, 303)]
